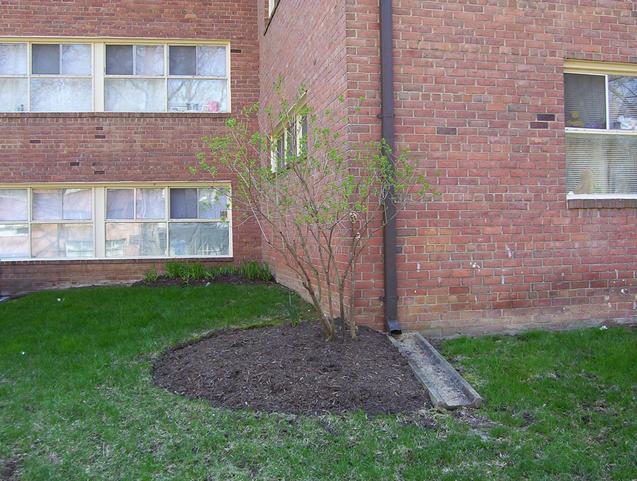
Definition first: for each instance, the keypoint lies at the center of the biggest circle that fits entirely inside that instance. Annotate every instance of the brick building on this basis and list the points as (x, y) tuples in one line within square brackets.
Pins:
[(522, 113)]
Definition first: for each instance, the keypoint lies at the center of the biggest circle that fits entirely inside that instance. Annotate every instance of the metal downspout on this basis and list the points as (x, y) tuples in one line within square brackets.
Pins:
[(387, 122)]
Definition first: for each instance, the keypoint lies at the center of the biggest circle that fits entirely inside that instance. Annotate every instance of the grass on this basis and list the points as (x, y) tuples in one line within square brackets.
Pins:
[(77, 402), (195, 271)]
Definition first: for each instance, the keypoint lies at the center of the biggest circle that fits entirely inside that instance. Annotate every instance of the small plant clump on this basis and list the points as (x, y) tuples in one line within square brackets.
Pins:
[(188, 272), (256, 271), (151, 275)]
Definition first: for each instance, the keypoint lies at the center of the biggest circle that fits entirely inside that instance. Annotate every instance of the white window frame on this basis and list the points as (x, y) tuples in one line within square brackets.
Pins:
[(605, 70), (98, 70), (99, 218), (272, 4), (29, 75), (283, 131)]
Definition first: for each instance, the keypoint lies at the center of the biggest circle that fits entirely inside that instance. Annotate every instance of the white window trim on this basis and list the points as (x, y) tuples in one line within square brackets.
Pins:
[(282, 130), (98, 67), (597, 69), (574, 196), (99, 219), (272, 4)]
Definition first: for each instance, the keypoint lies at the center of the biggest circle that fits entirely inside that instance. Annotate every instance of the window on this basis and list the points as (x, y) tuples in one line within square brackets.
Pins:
[(272, 4), (58, 77), (114, 222), (197, 79), (601, 133), (289, 143), (135, 78), (114, 77), (61, 223)]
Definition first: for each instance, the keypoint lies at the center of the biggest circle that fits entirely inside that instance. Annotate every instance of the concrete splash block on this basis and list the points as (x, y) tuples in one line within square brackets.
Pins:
[(447, 389)]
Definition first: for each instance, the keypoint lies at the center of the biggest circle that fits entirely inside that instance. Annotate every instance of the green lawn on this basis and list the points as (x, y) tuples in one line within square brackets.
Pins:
[(77, 402)]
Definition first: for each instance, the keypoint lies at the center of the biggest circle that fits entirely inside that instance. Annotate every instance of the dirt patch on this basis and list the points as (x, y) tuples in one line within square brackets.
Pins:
[(164, 281), (9, 469), (293, 370)]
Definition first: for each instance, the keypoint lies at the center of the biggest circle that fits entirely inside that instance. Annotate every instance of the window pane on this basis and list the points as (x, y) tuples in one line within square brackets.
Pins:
[(47, 205), (149, 60), (13, 94), (183, 203), (135, 240), (182, 60), (45, 59), (14, 241), (622, 94), (211, 61), (201, 239), (585, 101), (134, 95), (119, 60), (213, 204), (13, 58), (120, 203), (304, 129), (78, 204), (280, 152), (76, 60), (13, 204), (291, 141), (151, 203), (601, 164), (61, 95), (197, 95), (62, 204), (62, 240)]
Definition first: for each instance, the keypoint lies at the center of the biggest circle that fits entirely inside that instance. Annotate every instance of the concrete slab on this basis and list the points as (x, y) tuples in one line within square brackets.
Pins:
[(446, 387)]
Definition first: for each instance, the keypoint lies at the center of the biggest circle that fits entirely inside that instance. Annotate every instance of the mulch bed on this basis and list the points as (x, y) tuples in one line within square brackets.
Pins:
[(293, 370), (164, 281)]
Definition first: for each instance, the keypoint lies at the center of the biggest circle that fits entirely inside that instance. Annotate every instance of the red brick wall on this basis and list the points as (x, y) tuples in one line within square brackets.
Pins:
[(306, 46), (363, 98), (499, 249), (104, 147)]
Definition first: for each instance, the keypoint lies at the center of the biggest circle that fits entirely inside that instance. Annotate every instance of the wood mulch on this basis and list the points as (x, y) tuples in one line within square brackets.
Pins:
[(293, 370)]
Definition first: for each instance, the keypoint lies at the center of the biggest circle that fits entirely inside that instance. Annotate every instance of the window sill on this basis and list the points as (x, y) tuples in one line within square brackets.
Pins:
[(111, 115), (133, 260), (601, 203)]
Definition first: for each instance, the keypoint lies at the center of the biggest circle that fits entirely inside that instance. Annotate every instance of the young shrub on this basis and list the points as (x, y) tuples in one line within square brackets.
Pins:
[(318, 203)]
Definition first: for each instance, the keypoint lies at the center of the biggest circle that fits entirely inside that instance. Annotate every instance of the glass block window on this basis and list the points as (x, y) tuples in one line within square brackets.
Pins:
[(601, 134)]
